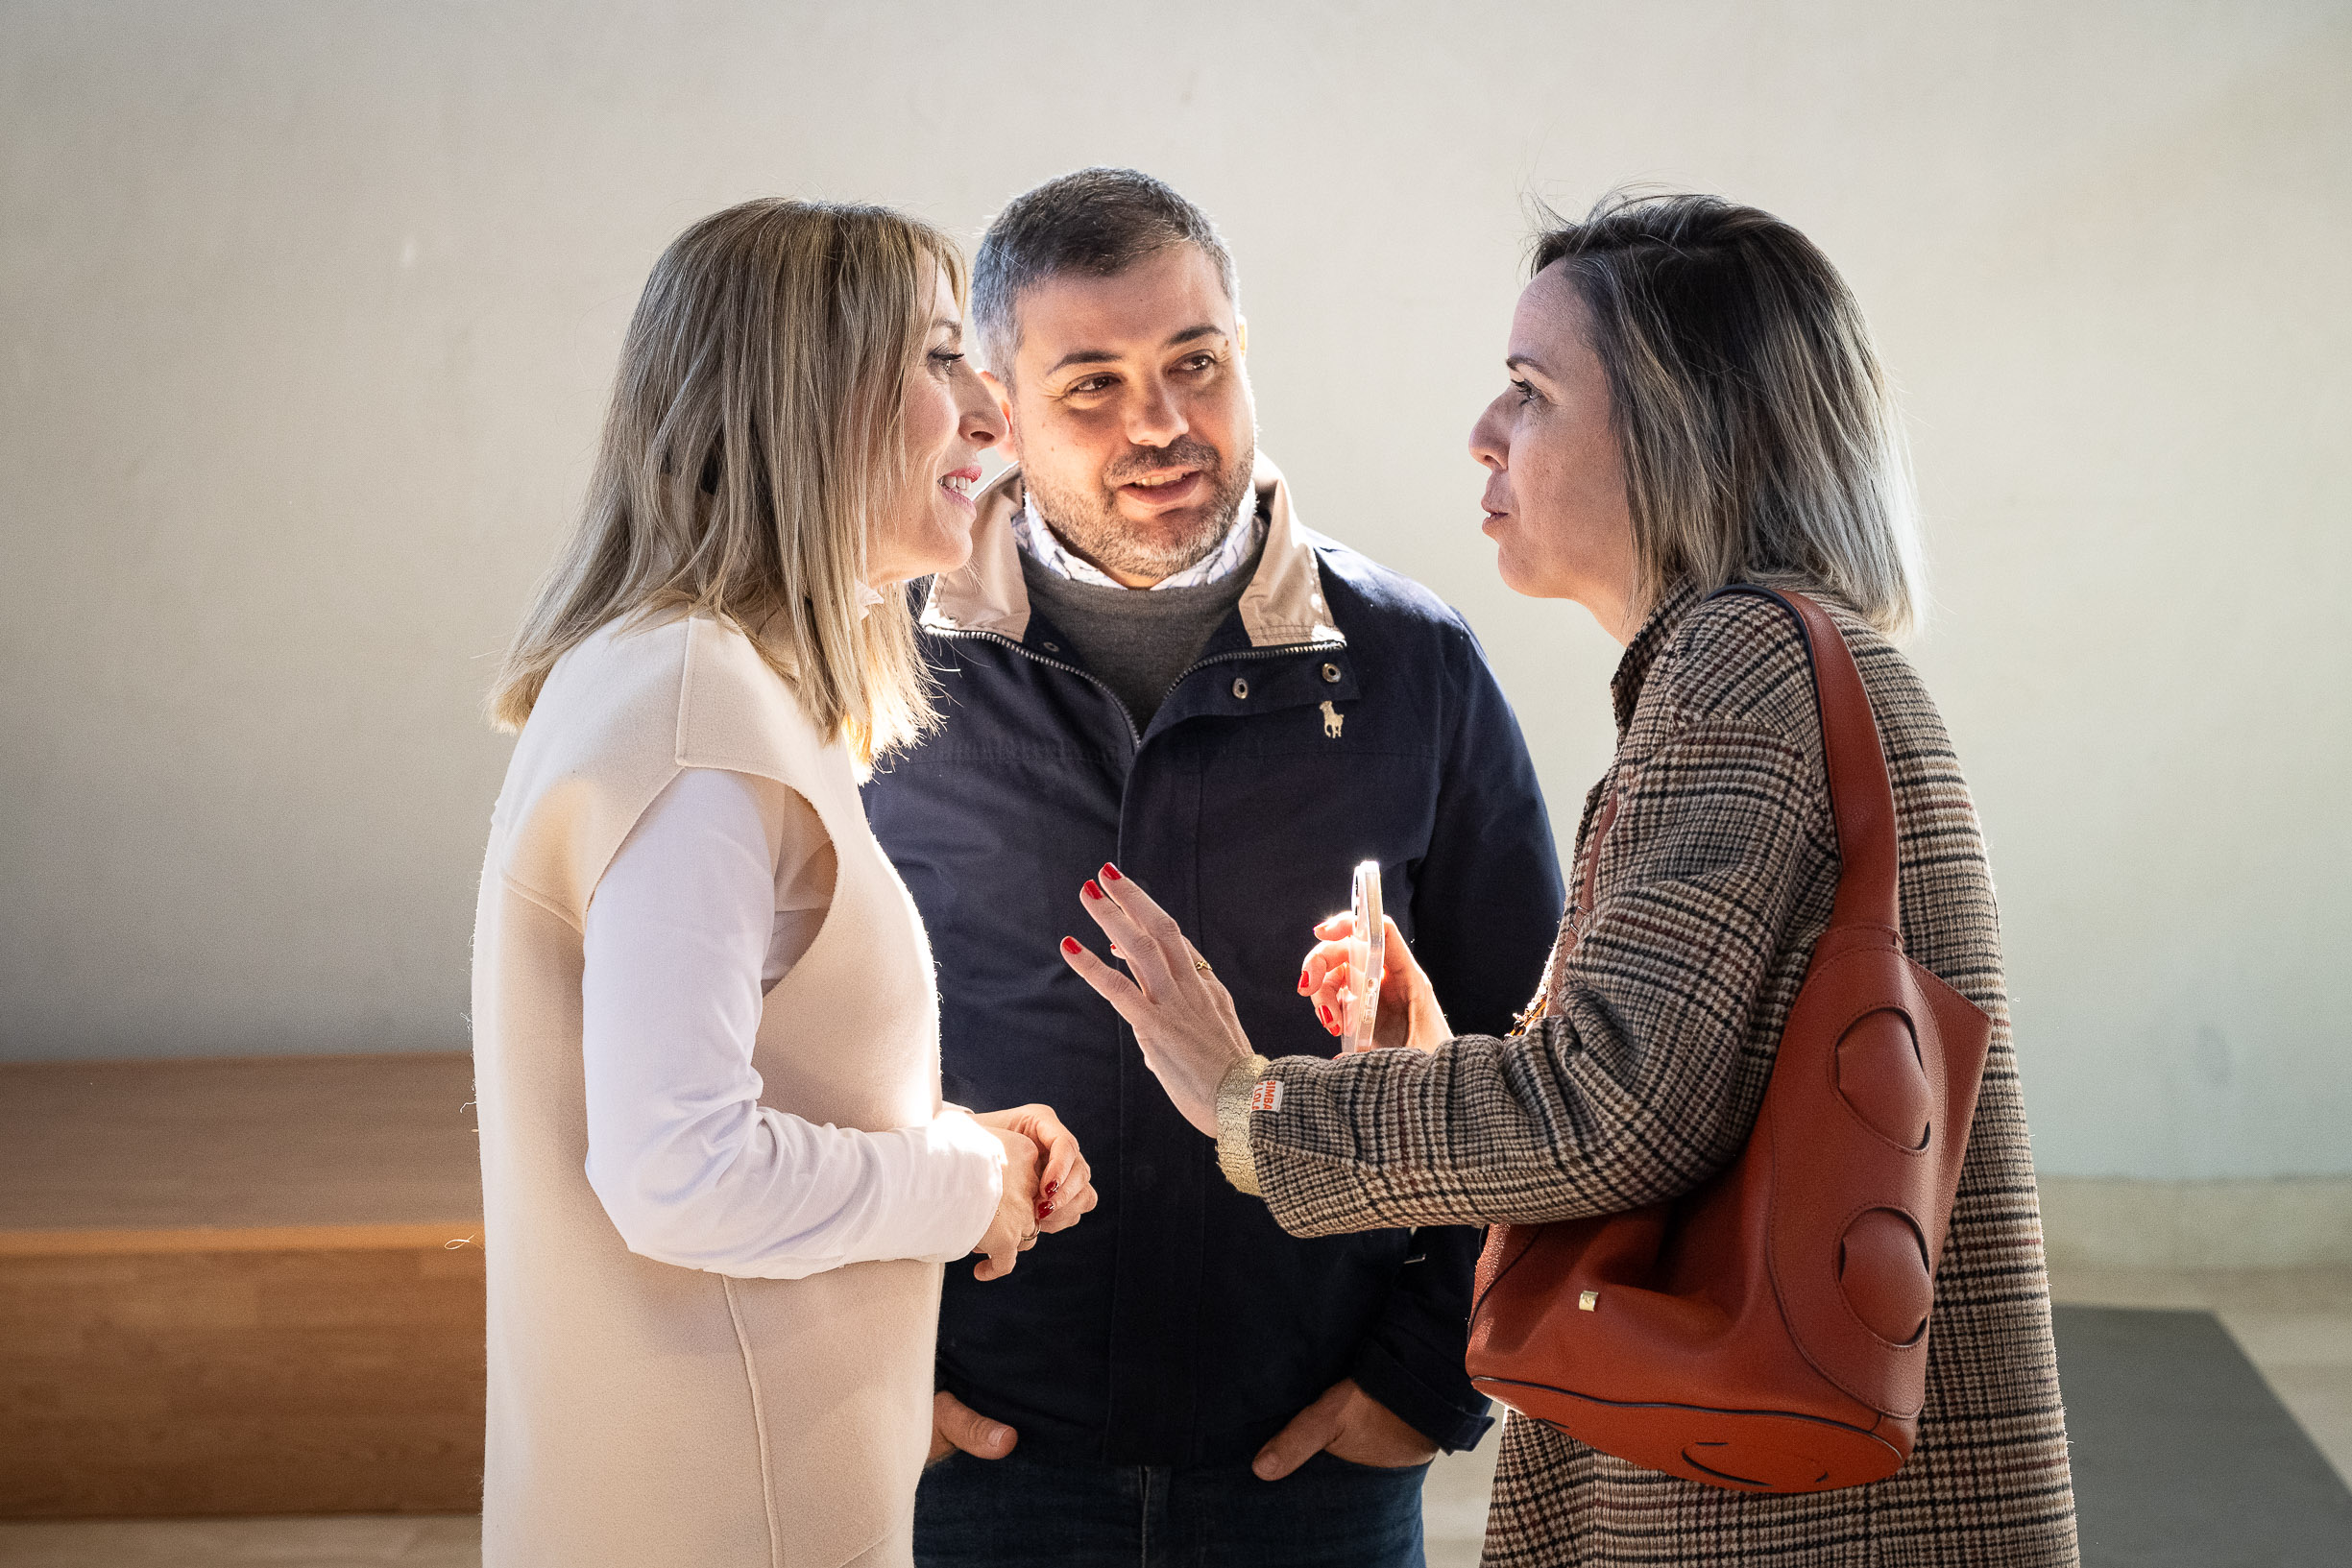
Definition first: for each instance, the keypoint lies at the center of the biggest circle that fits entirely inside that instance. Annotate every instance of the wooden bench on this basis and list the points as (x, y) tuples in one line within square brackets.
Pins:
[(240, 1287)]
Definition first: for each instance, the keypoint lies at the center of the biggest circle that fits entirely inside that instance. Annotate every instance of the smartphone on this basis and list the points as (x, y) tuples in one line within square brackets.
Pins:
[(1367, 959)]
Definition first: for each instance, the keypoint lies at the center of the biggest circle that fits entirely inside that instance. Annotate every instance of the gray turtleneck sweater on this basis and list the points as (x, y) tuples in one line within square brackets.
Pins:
[(1135, 640)]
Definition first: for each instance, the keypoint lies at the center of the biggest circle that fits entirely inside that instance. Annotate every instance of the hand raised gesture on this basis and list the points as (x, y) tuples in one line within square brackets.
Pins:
[(1180, 1012)]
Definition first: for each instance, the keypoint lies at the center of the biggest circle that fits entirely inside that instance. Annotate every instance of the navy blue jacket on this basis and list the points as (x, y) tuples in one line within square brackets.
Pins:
[(1342, 714)]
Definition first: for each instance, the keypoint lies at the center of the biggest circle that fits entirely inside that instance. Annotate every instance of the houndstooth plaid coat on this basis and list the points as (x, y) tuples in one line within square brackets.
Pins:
[(1646, 1072)]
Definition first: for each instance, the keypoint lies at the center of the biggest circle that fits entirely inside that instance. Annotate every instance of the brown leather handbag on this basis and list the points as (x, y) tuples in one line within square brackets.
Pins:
[(1768, 1331)]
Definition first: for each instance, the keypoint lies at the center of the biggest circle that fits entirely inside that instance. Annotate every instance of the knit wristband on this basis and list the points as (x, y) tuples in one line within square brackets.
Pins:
[(1234, 1095)]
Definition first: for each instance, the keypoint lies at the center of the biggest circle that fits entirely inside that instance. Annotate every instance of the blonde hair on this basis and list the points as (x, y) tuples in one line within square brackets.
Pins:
[(755, 439), (1760, 440)]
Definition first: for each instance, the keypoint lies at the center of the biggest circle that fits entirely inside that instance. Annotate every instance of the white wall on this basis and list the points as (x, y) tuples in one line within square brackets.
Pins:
[(309, 311)]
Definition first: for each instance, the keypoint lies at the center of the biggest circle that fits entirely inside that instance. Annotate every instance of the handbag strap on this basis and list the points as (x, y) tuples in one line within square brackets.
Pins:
[(1861, 799)]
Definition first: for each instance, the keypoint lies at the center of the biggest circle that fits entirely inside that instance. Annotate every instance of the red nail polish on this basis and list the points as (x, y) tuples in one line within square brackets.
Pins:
[(1090, 889), (1323, 1013), (1110, 873), (1050, 1188), (1045, 1211), (1303, 979), (1069, 945)]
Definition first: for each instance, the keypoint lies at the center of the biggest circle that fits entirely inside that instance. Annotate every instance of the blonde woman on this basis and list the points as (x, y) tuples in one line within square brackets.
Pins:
[(719, 1182)]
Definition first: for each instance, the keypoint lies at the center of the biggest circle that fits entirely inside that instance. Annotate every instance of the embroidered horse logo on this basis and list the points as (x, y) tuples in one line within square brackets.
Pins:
[(1333, 718)]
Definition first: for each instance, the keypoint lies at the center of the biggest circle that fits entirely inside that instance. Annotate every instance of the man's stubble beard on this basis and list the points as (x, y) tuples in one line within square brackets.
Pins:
[(1089, 523)]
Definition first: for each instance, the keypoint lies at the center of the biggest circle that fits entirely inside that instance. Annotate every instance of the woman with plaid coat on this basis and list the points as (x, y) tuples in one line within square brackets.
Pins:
[(1693, 402)]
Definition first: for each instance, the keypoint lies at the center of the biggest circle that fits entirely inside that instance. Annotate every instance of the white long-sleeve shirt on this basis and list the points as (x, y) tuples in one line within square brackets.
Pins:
[(695, 920)]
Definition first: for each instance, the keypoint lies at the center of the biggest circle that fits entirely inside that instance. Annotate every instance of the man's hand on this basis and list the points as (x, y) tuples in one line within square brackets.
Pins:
[(1348, 1424), (956, 1425)]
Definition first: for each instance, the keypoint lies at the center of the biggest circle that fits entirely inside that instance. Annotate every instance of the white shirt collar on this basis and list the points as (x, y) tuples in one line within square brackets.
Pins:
[(1231, 553)]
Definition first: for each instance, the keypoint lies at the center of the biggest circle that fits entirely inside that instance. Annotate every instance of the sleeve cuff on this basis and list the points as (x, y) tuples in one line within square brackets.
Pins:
[(1233, 1106), (1411, 1400), (971, 1194)]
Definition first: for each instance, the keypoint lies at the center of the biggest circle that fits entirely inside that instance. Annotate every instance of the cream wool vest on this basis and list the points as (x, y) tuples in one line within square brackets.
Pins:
[(640, 1414)]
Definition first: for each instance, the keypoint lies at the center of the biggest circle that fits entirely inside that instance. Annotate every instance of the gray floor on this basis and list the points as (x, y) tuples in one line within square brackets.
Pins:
[(2294, 1328), (1454, 1513), (1454, 1504), (2183, 1457)]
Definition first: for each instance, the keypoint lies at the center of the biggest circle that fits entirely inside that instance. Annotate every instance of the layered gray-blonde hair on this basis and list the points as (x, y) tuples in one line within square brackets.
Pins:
[(1759, 436), (753, 442)]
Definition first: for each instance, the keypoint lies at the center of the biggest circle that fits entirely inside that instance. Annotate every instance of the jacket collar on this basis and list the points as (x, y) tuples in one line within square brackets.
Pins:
[(1625, 687), (1283, 605)]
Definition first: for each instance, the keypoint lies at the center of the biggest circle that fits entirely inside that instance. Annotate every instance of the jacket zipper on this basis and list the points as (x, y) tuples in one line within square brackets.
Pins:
[(1133, 735)]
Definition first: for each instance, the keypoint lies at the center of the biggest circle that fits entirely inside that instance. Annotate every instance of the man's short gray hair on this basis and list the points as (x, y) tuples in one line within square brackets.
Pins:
[(1098, 222)]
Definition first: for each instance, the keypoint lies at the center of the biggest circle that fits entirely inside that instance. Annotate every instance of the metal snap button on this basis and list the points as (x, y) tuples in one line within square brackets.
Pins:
[(1332, 673), (1051, 647), (1241, 688)]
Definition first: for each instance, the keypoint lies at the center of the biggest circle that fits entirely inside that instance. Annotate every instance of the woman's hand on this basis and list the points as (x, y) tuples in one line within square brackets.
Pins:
[(1181, 1015), (1065, 1181), (1409, 1014), (1014, 1229)]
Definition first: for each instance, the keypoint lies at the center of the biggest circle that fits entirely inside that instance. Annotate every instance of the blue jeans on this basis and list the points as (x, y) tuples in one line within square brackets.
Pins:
[(1018, 1514)]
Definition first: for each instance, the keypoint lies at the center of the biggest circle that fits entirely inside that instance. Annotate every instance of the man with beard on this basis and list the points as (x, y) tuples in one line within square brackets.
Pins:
[(1149, 659)]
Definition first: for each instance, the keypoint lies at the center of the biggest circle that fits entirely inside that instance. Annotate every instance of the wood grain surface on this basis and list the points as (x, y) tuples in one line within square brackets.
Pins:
[(260, 1142), (241, 1383), (241, 1286)]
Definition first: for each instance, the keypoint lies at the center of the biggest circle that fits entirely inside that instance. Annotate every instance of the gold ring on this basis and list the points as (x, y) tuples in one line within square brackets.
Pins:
[(1202, 964)]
